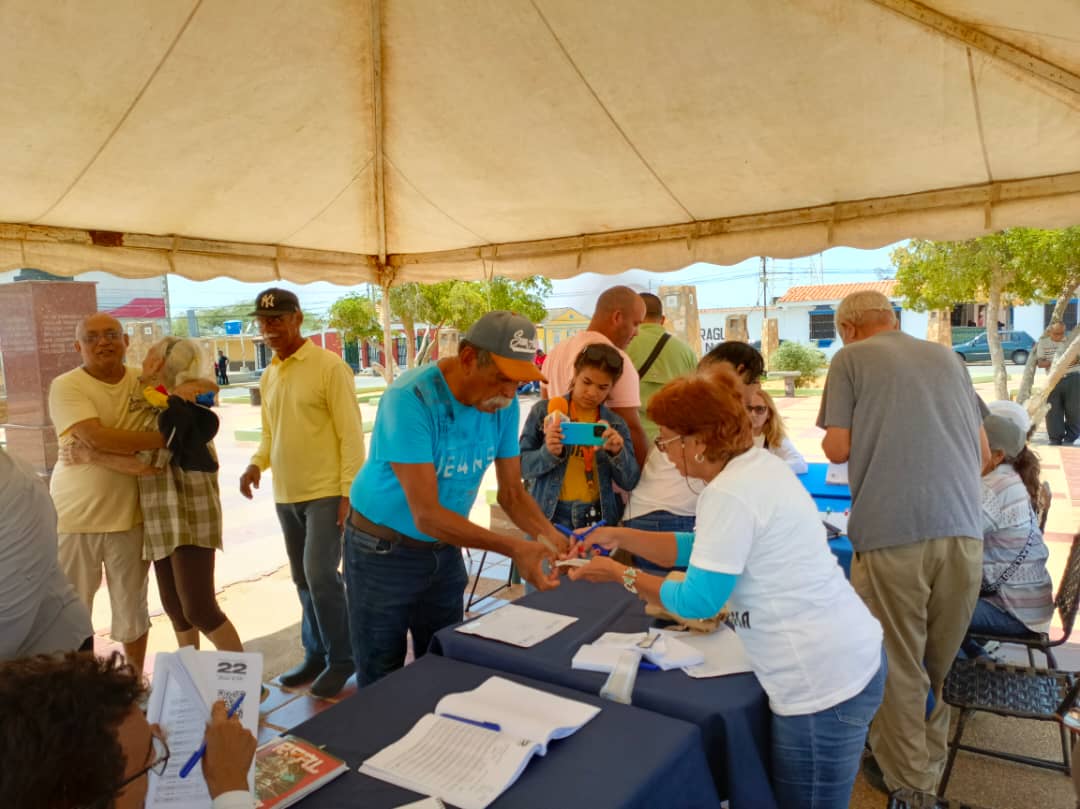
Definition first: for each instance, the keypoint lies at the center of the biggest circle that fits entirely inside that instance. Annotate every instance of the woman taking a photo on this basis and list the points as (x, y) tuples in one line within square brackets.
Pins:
[(760, 549)]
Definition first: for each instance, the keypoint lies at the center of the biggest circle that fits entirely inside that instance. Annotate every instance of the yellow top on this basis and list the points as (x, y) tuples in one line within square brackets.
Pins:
[(312, 435), (91, 499), (577, 483)]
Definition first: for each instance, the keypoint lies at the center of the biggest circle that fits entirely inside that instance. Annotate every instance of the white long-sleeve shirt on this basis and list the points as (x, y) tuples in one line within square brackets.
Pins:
[(786, 452)]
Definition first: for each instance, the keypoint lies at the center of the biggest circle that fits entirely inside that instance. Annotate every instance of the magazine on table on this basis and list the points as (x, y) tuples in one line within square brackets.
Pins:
[(289, 768)]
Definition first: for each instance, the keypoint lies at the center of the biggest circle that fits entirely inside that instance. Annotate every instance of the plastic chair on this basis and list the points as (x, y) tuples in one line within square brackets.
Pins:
[(1067, 602), (1016, 691)]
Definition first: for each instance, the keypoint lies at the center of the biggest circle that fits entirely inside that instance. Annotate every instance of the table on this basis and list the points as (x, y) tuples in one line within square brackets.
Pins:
[(732, 712), (624, 757), (824, 494)]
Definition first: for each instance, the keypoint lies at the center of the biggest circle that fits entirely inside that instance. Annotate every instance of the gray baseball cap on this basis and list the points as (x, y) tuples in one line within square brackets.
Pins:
[(1004, 434), (511, 339)]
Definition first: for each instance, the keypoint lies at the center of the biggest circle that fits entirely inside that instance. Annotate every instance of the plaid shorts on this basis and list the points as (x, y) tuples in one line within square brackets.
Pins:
[(179, 508)]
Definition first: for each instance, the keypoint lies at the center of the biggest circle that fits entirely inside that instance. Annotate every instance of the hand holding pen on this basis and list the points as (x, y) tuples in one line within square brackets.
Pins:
[(578, 537), (227, 752)]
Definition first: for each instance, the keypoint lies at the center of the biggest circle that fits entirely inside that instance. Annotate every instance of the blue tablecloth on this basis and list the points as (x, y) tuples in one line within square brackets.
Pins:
[(842, 550), (814, 481), (624, 757), (732, 712)]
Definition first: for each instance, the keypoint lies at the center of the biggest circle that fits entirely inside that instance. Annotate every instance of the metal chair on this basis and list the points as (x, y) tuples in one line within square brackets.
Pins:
[(1046, 497), (1067, 603), (472, 599), (1016, 691), (909, 799)]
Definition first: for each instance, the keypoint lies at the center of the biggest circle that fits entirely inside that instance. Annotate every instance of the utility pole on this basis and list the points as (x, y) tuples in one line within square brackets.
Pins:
[(764, 297)]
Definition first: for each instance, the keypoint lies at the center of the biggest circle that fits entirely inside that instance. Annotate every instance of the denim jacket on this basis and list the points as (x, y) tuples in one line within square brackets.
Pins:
[(543, 472)]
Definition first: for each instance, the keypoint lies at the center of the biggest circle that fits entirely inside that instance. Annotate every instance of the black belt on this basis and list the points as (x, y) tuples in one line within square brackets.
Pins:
[(362, 523)]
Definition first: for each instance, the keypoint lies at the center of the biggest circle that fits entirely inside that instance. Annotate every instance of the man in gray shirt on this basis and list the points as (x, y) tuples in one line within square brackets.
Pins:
[(903, 414), (39, 611)]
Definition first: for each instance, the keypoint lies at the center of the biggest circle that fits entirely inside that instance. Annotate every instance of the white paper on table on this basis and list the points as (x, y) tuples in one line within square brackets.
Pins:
[(465, 765), (723, 651), (516, 625), (835, 519), (668, 652), (520, 711), (425, 803), (185, 685), (836, 474)]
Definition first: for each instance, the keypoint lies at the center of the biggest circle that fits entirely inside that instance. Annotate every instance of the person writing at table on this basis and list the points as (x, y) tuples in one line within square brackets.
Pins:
[(760, 549)]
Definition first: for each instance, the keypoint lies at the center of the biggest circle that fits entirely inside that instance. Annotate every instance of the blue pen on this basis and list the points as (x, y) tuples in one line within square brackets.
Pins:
[(185, 771), (485, 725), (589, 530)]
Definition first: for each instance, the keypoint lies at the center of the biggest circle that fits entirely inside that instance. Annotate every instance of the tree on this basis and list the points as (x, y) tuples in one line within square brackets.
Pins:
[(459, 304), (936, 275), (355, 317)]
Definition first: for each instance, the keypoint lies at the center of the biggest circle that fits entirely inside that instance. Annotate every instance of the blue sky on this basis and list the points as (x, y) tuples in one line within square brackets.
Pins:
[(735, 285)]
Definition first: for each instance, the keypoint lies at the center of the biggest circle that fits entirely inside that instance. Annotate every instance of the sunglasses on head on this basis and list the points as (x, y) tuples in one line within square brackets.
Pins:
[(601, 354)]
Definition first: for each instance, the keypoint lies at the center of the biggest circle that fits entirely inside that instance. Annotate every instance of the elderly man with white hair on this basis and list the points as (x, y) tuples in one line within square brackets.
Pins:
[(904, 415)]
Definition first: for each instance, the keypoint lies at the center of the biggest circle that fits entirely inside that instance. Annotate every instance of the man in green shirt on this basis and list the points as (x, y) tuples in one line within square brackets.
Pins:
[(673, 359)]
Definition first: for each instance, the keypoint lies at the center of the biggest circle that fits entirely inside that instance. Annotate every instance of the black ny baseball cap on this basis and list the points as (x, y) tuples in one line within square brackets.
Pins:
[(275, 301)]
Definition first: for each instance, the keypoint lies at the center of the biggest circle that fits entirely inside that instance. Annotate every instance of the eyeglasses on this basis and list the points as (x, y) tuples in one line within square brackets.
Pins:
[(661, 443), (757, 410), (604, 355), (94, 337), (159, 760)]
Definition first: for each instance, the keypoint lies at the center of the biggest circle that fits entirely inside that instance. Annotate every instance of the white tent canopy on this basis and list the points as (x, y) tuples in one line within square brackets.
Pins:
[(328, 139)]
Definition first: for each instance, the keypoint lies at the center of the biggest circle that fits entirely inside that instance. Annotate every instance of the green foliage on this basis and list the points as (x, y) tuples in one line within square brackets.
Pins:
[(355, 317), (797, 357)]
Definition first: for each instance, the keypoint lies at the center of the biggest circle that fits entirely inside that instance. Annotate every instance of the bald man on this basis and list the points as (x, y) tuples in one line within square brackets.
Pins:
[(100, 404), (619, 312)]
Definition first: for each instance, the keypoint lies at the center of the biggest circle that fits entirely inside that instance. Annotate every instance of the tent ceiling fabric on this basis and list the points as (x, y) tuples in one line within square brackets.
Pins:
[(238, 137)]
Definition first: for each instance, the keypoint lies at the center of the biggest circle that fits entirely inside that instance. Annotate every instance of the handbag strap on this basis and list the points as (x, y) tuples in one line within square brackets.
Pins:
[(1014, 565), (649, 360)]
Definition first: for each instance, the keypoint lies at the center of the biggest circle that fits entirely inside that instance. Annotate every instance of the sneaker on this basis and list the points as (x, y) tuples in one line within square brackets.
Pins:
[(330, 682), (871, 771), (304, 673)]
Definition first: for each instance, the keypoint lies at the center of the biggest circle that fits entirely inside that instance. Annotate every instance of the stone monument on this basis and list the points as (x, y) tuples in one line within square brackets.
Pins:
[(770, 338), (681, 314), (37, 343), (735, 328), (939, 327)]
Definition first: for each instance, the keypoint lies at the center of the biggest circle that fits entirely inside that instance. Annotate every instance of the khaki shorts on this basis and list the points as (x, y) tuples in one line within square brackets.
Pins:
[(81, 558)]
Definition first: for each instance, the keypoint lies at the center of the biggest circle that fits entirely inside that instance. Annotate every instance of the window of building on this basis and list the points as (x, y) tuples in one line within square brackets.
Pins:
[(822, 324), (1069, 315)]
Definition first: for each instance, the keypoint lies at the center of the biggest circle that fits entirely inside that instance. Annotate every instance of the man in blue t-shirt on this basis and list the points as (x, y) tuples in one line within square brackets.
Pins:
[(437, 431)]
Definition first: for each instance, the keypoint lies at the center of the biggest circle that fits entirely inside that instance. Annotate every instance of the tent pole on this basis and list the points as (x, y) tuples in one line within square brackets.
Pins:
[(386, 277)]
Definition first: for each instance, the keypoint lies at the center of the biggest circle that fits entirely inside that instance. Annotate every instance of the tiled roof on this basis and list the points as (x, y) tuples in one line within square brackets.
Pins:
[(834, 292)]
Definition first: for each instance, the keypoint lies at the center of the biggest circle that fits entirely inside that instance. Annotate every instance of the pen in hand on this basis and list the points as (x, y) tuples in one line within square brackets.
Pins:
[(185, 771)]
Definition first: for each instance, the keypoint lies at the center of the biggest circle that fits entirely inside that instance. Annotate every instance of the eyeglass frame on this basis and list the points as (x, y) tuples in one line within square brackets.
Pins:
[(157, 766), (661, 443), (93, 338)]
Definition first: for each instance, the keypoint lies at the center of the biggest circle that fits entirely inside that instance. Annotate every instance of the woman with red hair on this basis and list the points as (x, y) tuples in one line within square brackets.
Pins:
[(760, 549)]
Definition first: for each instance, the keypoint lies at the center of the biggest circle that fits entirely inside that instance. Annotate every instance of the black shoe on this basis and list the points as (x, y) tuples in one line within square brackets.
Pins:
[(329, 683), (871, 771), (304, 673)]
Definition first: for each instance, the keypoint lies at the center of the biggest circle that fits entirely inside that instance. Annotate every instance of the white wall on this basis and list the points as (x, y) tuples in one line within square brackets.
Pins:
[(1030, 319), (914, 323)]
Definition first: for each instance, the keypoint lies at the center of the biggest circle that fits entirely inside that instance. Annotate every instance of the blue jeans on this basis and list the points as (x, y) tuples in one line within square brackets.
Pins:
[(313, 543), (992, 620), (659, 521), (394, 589), (815, 757)]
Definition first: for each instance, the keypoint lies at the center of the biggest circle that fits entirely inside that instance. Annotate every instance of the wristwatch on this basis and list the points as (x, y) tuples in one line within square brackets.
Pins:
[(629, 579)]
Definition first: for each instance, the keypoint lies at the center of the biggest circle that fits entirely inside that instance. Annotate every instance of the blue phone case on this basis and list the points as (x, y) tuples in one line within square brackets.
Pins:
[(586, 433)]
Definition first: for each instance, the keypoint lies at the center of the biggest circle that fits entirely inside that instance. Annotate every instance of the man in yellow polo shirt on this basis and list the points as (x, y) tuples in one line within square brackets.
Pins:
[(313, 439)]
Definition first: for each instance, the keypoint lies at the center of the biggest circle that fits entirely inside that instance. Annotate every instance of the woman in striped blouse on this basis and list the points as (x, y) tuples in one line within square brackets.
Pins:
[(1017, 593)]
